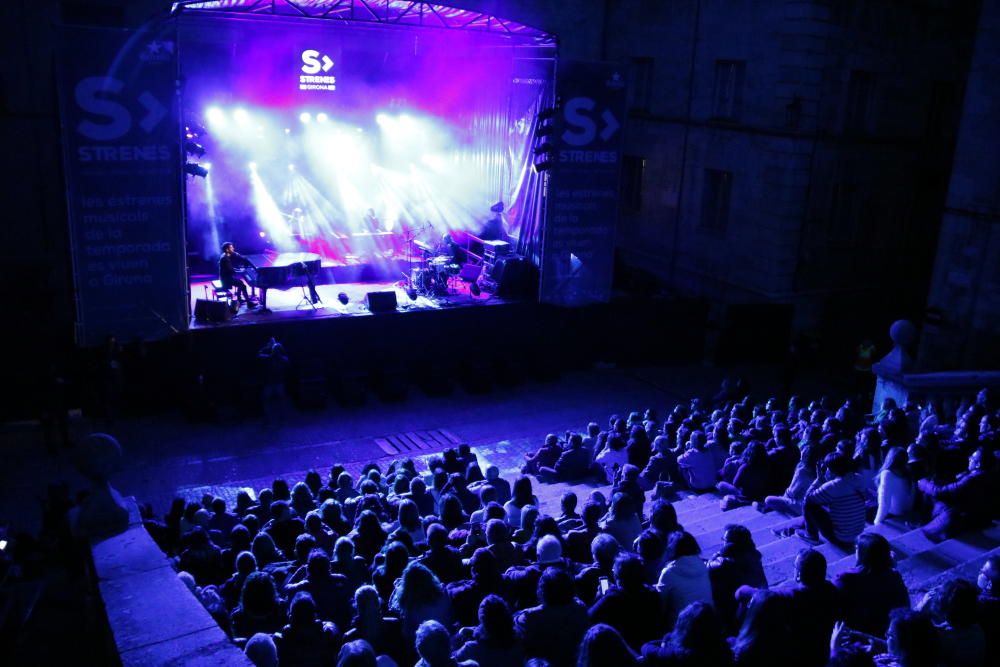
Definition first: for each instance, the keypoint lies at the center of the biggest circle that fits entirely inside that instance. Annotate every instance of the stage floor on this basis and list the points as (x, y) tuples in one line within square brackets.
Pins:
[(293, 304)]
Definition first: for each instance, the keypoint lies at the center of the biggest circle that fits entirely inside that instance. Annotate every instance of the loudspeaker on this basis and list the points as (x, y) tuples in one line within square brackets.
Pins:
[(381, 302), (211, 311), (515, 277)]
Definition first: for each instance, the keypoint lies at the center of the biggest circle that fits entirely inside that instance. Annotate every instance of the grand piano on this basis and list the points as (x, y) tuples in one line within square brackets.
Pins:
[(281, 270)]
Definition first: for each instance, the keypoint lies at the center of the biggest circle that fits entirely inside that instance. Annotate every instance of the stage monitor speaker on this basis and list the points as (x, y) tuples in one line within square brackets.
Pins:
[(470, 272), (381, 302), (206, 310)]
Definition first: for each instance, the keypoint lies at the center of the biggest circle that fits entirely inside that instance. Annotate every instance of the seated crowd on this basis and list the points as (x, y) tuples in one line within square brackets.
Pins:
[(456, 566)]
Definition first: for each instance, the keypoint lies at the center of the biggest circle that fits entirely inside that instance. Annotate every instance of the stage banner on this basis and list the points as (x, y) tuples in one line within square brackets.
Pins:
[(123, 163), (578, 244)]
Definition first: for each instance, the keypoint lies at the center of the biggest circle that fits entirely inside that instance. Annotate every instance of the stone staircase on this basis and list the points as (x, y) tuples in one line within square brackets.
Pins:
[(922, 563)]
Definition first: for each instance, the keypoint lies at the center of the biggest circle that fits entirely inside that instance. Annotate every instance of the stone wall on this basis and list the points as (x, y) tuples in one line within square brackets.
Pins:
[(962, 328)]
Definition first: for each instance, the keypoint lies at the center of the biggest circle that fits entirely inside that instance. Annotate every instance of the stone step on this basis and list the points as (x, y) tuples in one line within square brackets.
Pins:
[(696, 501), (967, 570), (760, 525), (945, 556), (694, 515), (779, 557), (719, 520)]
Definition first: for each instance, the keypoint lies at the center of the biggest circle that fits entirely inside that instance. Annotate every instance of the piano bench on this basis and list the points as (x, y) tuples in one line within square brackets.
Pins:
[(219, 292)]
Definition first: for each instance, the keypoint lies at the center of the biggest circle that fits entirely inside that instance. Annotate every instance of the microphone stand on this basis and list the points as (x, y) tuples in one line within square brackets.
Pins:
[(409, 236)]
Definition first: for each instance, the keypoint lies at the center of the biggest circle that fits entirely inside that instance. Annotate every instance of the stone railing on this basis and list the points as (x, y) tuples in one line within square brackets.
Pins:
[(899, 380), (153, 616)]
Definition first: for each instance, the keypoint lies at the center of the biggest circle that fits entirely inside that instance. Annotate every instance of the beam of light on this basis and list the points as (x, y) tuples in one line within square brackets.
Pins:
[(214, 242), (241, 116), (269, 216), (325, 220), (336, 156)]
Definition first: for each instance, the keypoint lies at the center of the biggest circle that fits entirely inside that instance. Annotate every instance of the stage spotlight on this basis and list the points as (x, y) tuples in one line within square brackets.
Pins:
[(544, 149), (291, 167), (474, 288), (321, 117), (215, 115), (263, 235), (542, 165), (194, 148), (342, 298), (305, 117), (195, 169), (381, 119), (241, 116), (253, 166), (412, 293), (207, 166), (288, 130)]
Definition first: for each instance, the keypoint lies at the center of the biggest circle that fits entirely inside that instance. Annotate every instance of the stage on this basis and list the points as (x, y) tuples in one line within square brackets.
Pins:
[(293, 303)]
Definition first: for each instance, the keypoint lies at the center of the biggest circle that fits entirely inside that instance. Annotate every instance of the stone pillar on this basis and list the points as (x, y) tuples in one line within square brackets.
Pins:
[(103, 512), (891, 368)]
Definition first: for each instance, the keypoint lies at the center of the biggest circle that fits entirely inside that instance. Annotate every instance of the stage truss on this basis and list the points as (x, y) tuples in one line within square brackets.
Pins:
[(399, 12)]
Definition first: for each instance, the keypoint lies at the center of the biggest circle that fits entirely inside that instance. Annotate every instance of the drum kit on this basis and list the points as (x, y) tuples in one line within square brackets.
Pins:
[(432, 277)]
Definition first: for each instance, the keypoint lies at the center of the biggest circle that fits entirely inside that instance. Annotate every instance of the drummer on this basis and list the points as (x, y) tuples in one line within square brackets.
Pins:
[(448, 248)]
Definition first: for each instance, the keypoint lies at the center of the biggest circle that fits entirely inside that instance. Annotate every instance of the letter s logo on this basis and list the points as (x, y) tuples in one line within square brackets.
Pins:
[(310, 61), (89, 94), (576, 115)]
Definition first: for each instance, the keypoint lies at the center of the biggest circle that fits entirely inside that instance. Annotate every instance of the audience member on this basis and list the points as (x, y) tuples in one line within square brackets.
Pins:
[(554, 629), (685, 578), (306, 640), (259, 609), (696, 641), (872, 588), (631, 607), (495, 641), (603, 646)]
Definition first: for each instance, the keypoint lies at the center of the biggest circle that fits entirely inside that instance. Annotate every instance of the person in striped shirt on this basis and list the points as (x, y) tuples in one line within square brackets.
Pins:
[(835, 507)]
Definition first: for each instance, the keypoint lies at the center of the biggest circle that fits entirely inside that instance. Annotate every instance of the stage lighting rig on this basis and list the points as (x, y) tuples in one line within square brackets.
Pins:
[(545, 149), (194, 148), (544, 156), (195, 169)]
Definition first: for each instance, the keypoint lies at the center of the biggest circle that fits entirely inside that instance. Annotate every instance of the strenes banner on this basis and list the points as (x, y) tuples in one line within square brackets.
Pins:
[(123, 162), (582, 204)]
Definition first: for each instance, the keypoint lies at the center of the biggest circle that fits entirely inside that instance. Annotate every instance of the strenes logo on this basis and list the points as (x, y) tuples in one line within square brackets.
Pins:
[(315, 73)]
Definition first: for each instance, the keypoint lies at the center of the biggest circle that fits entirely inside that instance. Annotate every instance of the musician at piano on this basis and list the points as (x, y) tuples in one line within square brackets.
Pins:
[(495, 228), (229, 262)]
